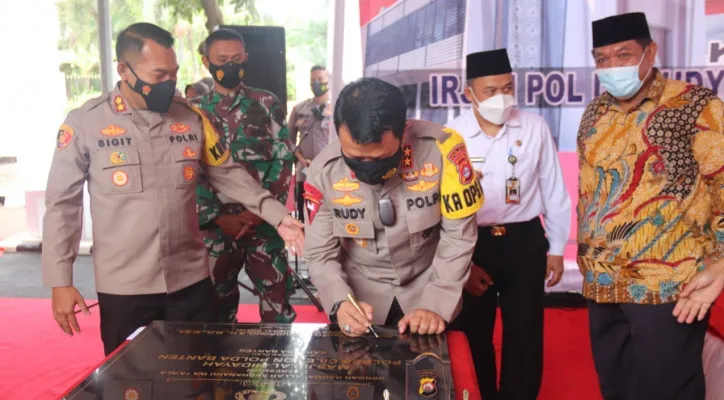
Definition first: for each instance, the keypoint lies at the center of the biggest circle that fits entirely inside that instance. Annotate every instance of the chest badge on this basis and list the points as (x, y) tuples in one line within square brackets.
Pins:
[(119, 157), (352, 229), (120, 178), (347, 200), (189, 173), (345, 185), (113, 130), (189, 153), (429, 170), (179, 128), (410, 176), (422, 186)]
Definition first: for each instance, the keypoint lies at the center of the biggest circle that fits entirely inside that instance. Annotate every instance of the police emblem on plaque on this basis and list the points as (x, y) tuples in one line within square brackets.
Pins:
[(426, 378)]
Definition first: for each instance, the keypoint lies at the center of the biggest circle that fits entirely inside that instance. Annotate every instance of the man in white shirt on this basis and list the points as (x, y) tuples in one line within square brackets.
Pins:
[(516, 158)]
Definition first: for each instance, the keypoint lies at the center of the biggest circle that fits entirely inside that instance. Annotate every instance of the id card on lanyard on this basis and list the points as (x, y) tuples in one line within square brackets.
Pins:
[(512, 184)]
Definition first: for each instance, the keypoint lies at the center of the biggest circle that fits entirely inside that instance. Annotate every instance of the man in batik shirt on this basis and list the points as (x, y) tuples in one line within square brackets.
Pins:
[(650, 215), (251, 122)]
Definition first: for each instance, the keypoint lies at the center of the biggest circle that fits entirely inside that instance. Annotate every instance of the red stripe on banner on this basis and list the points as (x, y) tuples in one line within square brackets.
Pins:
[(369, 9), (714, 7)]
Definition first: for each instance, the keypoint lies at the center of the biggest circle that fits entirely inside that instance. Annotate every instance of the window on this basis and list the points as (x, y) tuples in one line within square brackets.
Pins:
[(428, 27), (438, 20), (418, 20)]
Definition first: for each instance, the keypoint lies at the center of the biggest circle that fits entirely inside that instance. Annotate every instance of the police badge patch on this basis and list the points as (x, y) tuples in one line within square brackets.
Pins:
[(65, 135), (459, 156), (312, 200)]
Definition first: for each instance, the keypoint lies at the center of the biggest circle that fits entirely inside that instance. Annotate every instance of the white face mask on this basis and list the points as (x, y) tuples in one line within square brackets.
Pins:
[(496, 109)]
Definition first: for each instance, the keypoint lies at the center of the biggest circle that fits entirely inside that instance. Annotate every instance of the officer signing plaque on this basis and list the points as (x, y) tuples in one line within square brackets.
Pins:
[(174, 360)]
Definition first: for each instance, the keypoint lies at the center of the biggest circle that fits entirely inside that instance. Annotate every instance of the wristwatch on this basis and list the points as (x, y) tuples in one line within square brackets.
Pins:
[(333, 313)]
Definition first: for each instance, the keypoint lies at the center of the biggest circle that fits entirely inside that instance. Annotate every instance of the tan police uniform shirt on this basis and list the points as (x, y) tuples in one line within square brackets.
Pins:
[(314, 132), (423, 259), (141, 168)]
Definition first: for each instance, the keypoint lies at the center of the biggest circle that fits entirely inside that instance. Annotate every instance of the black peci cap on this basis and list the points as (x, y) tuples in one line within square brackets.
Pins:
[(620, 28), (486, 63)]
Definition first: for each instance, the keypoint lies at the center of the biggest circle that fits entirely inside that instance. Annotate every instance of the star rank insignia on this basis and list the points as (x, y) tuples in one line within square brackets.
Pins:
[(407, 156), (119, 104)]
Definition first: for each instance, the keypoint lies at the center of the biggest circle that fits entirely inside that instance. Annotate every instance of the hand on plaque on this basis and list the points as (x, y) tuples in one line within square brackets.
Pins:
[(422, 322), (348, 316)]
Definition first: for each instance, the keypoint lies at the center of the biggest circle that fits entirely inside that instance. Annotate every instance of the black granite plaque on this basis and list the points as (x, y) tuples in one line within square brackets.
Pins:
[(176, 360)]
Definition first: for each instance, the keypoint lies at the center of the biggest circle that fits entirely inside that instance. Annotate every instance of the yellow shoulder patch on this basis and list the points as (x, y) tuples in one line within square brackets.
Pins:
[(214, 153), (460, 191)]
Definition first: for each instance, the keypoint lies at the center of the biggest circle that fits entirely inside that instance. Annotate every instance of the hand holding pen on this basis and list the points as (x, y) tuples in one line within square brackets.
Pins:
[(354, 317)]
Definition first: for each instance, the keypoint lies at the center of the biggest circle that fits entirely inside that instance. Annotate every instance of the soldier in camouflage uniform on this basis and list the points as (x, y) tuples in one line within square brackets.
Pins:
[(251, 122)]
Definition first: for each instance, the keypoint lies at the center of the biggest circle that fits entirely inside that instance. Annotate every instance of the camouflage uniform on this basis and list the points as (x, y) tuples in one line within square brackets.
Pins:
[(252, 125)]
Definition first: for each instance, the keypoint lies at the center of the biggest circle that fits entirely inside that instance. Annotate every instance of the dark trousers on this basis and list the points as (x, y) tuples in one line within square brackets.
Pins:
[(641, 352), (517, 263), (300, 200), (121, 315), (395, 314)]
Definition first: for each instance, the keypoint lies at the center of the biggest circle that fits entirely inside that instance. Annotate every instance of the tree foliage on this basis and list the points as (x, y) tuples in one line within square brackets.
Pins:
[(188, 21), (187, 9)]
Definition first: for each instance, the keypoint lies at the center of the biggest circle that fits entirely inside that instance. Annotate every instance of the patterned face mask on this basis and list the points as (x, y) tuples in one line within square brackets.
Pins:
[(228, 75)]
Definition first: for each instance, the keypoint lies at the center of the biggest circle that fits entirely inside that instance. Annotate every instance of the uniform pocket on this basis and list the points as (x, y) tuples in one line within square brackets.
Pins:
[(185, 167), (423, 227), (354, 235), (120, 171)]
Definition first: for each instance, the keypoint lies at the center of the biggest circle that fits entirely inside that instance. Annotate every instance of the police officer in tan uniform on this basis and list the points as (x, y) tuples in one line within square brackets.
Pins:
[(141, 149), (390, 215), (311, 122)]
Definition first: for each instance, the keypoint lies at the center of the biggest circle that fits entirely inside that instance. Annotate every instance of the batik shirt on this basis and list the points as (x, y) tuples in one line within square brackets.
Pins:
[(651, 192), (252, 125)]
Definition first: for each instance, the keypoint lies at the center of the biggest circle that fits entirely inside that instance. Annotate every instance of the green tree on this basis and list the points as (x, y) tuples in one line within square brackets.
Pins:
[(186, 9)]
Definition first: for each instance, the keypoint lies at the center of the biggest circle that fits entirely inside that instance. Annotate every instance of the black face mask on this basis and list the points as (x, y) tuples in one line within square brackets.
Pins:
[(158, 97), (377, 171), (228, 75), (319, 88)]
